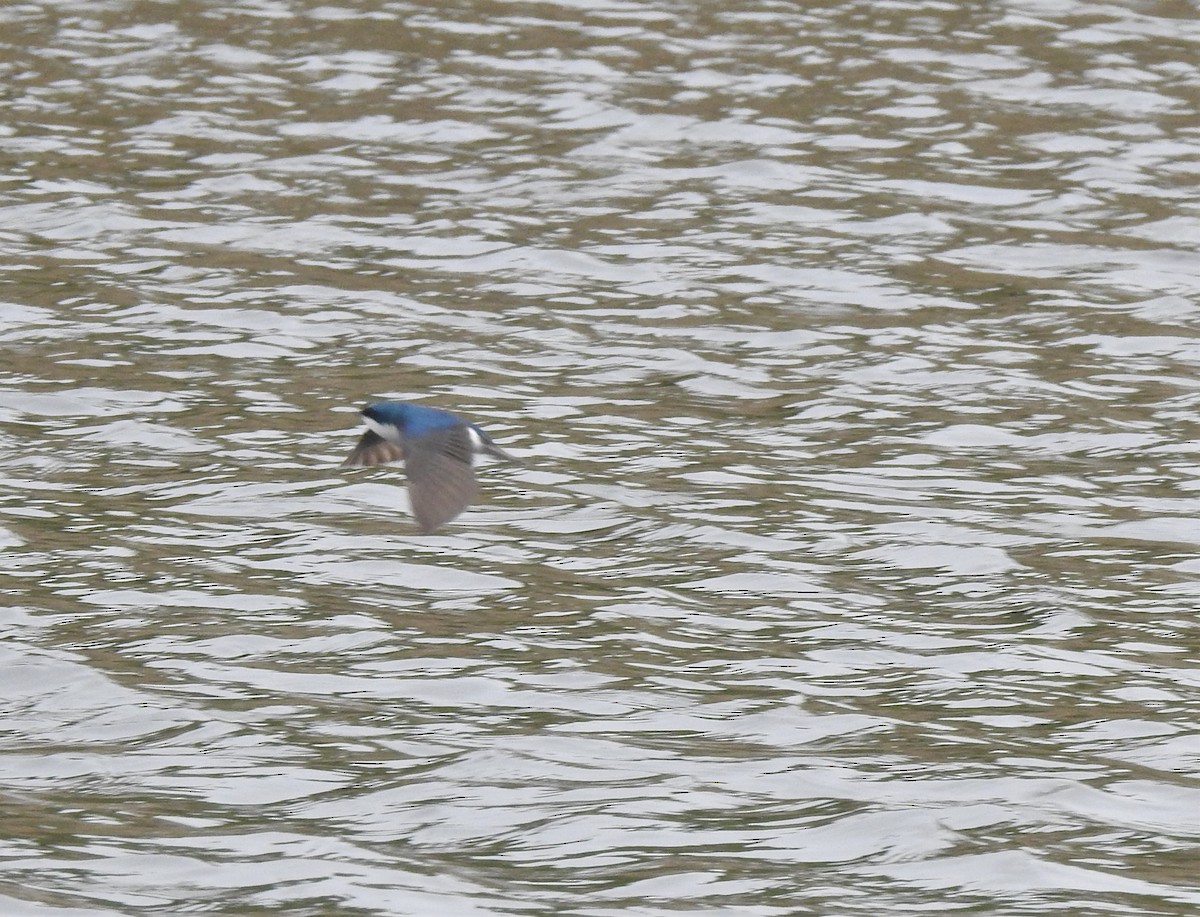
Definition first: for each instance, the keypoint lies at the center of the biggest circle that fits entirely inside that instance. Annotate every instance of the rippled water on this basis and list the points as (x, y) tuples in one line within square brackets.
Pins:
[(852, 349)]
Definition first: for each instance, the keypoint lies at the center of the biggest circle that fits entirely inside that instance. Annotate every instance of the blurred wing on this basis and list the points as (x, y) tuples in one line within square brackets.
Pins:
[(373, 449), (441, 481)]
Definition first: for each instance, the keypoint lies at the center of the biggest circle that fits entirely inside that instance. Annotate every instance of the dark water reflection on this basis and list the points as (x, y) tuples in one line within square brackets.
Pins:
[(853, 350)]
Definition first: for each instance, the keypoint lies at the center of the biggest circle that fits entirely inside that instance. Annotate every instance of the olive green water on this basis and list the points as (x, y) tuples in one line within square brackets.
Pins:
[(853, 349)]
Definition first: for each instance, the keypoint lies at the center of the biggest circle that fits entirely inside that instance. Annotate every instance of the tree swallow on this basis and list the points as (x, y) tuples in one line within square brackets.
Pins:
[(438, 449)]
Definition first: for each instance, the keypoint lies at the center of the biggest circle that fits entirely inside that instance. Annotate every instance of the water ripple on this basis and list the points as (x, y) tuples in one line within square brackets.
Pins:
[(851, 353)]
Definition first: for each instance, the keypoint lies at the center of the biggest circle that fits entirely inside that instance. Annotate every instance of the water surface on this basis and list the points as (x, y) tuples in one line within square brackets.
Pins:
[(853, 352)]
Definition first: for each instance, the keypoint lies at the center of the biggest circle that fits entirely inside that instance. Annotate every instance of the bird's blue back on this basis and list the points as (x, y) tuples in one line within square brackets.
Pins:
[(413, 419)]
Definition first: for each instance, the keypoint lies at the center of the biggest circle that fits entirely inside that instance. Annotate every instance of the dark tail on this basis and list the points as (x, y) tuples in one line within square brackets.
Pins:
[(490, 448)]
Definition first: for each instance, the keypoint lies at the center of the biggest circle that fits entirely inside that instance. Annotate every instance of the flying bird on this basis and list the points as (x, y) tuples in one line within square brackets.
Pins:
[(438, 449)]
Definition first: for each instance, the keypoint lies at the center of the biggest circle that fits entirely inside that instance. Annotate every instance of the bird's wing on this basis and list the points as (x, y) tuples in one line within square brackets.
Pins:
[(441, 481), (373, 449)]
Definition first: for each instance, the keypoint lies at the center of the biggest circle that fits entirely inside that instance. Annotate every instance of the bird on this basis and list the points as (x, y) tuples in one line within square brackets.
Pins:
[(438, 449)]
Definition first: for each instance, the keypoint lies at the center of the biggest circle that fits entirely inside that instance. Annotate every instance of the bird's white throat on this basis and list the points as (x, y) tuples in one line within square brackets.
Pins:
[(387, 431)]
